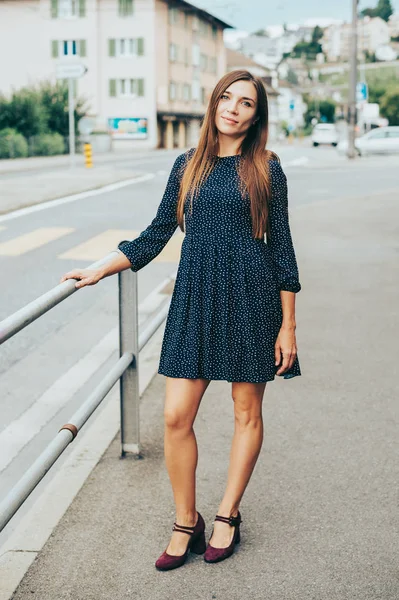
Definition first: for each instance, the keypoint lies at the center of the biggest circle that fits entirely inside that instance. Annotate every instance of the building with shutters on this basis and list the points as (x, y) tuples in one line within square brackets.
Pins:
[(151, 64)]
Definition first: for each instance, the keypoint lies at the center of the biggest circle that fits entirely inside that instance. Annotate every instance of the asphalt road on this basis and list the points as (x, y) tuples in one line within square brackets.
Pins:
[(37, 358)]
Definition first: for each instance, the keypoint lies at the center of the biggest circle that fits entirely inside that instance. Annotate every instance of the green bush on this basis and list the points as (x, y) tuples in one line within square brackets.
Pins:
[(12, 144), (47, 144)]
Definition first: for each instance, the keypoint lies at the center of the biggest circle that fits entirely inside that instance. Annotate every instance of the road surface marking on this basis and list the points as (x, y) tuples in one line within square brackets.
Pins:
[(32, 240), (99, 245), (66, 199)]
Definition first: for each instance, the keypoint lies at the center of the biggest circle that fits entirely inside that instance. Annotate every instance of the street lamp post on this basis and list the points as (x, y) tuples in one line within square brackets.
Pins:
[(352, 83)]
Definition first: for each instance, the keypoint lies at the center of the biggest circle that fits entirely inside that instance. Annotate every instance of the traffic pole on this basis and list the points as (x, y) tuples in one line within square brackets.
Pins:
[(88, 155), (71, 112), (352, 84)]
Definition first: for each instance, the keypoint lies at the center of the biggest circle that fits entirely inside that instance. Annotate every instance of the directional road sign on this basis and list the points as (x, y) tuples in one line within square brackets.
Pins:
[(70, 70)]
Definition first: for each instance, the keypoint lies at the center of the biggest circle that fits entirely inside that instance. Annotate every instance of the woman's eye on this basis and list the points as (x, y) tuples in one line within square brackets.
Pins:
[(247, 103), (223, 96)]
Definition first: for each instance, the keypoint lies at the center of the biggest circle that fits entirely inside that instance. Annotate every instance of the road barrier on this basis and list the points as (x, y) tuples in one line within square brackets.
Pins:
[(126, 370)]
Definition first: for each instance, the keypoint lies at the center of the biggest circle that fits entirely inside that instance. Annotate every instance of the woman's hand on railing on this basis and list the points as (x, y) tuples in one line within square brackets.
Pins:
[(85, 276)]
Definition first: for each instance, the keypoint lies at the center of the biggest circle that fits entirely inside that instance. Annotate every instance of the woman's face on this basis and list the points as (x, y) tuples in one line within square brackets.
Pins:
[(237, 108)]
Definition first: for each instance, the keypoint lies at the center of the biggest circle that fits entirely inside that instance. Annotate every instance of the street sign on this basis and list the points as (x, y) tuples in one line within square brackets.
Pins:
[(292, 105), (361, 92), (70, 70)]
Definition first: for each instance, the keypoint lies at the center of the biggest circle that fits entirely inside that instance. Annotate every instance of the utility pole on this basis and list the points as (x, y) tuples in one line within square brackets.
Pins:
[(352, 83)]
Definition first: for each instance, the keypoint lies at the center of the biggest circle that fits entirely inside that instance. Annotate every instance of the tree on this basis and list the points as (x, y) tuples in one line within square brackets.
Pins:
[(383, 10), (389, 106), (54, 99), (319, 109), (24, 113), (292, 76), (39, 110), (309, 49)]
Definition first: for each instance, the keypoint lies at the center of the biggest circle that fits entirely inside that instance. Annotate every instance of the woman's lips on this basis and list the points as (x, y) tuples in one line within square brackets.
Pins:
[(230, 120)]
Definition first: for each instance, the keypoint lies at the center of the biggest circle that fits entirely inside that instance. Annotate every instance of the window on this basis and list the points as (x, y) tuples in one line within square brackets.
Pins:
[(67, 9), (195, 90), (125, 8), (195, 55), (61, 48), (186, 92), (186, 57), (173, 15), (186, 20), (127, 47), (392, 133), (173, 52), (214, 32), (126, 88), (204, 62), (172, 91), (202, 95), (213, 64)]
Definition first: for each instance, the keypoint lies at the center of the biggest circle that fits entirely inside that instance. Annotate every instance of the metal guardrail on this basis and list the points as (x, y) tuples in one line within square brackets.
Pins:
[(126, 370)]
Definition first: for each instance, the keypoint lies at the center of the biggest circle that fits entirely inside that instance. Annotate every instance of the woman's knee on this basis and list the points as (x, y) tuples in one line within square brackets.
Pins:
[(248, 404)]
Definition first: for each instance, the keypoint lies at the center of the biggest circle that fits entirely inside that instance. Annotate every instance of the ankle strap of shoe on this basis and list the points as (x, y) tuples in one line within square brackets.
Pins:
[(183, 529), (233, 521)]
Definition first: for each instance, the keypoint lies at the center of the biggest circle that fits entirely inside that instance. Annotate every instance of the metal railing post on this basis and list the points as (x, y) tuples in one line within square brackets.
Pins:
[(129, 382)]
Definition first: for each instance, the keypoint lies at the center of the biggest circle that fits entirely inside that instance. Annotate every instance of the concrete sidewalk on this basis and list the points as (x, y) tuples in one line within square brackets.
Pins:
[(320, 512)]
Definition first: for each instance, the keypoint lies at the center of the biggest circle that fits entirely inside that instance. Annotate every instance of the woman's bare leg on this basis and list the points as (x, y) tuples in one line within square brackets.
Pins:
[(245, 449), (183, 397)]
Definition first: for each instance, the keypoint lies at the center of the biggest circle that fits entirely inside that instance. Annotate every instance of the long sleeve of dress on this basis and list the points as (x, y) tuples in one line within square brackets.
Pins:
[(154, 238), (283, 253)]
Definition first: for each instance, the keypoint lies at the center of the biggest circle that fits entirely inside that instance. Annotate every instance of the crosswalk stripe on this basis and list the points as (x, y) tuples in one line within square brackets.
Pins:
[(32, 240), (103, 243), (99, 245)]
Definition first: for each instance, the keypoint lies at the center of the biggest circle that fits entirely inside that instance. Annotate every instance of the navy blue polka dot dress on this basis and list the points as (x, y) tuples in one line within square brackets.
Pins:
[(225, 312)]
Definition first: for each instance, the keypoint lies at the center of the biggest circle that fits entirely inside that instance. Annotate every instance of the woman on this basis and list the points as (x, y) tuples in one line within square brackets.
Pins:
[(232, 312)]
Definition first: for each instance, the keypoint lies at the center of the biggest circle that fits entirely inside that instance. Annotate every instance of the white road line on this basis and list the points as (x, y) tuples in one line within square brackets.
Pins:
[(296, 162), (65, 200)]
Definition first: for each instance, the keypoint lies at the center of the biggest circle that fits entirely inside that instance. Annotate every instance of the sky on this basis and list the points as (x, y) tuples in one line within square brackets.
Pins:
[(251, 15)]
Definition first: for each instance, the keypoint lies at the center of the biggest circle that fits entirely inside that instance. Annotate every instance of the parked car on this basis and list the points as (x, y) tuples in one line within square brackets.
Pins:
[(383, 140), (325, 133)]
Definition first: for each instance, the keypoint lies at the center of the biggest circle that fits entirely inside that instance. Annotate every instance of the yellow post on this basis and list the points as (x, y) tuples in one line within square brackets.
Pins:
[(88, 156)]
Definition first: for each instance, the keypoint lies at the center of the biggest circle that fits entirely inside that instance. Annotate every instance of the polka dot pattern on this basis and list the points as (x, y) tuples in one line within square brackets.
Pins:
[(225, 312)]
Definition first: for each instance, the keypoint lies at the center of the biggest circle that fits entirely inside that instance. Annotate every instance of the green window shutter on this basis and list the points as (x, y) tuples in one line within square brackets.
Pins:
[(54, 48), (112, 87), (82, 48), (82, 8), (140, 46), (140, 87), (54, 9), (111, 47)]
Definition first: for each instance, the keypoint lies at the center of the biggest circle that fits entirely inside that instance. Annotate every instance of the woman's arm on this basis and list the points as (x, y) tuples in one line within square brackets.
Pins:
[(286, 268), (282, 248), (153, 239), (137, 253)]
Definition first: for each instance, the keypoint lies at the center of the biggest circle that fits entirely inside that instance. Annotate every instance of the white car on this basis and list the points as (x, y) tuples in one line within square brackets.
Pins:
[(382, 140), (325, 133)]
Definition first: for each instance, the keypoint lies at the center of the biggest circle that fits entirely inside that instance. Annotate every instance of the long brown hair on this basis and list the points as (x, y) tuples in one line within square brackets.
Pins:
[(253, 167)]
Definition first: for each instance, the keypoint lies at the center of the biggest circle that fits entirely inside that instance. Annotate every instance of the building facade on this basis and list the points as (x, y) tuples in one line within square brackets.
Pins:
[(151, 64), (372, 33)]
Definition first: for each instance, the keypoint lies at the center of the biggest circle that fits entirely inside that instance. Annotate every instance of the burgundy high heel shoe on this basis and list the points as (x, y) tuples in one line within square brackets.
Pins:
[(196, 544), (213, 554)]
